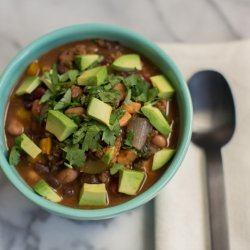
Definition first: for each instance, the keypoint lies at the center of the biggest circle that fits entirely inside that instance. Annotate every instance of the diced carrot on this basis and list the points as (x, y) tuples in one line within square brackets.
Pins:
[(132, 107), (124, 119), (126, 157), (46, 68), (33, 69), (46, 145), (23, 114)]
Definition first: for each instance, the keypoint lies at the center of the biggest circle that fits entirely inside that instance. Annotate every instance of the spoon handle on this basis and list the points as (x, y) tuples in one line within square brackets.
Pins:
[(217, 200)]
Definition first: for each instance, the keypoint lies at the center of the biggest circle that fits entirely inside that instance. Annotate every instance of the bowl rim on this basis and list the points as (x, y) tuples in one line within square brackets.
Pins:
[(147, 195)]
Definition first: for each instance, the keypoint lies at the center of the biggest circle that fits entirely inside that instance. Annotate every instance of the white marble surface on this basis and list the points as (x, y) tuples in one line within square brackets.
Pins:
[(23, 226)]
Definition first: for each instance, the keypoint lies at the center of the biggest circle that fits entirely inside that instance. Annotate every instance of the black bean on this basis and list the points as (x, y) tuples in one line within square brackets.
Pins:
[(53, 181), (104, 177), (68, 191), (41, 169), (27, 104)]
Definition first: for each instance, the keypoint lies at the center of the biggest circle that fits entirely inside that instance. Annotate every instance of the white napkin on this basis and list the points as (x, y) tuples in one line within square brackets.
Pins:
[(181, 212)]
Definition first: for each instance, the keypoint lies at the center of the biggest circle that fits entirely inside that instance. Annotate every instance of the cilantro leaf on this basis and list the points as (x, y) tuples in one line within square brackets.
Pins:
[(70, 75), (152, 96), (109, 137), (14, 157), (75, 155), (54, 75), (128, 97), (64, 102), (79, 134), (91, 138), (46, 97), (109, 96), (128, 142)]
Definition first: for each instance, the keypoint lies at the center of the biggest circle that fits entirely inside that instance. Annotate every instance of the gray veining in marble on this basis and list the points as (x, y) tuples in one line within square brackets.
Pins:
[(24, 226)]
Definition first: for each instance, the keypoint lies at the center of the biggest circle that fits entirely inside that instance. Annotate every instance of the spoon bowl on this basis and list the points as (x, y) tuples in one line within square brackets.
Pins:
[(214, 112)]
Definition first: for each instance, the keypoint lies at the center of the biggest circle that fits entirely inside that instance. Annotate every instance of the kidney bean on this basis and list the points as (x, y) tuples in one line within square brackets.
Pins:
[(67, 175), (36, 108), (41, 169), (38, 93), (53, 181)]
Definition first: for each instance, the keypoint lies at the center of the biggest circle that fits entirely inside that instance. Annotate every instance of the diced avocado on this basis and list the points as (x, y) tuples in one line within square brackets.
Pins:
[(157, 119), (28, 146), (107, 157), (99, 110), (85, 61), (161, 158), (29, 84), (162, 84), (127, 63), (130, 181), (43, 189), (95, 76), (93, 195), (60, 125), (45, 78)]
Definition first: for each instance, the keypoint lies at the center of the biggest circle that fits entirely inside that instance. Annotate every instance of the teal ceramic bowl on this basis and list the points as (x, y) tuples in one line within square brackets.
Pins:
[(138, 43)]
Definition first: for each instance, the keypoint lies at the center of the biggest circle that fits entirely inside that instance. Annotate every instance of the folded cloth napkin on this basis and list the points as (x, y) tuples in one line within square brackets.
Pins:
[(181, 213)]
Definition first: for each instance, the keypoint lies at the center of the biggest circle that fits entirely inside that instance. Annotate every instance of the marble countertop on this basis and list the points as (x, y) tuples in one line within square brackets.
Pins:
[(24, 226)]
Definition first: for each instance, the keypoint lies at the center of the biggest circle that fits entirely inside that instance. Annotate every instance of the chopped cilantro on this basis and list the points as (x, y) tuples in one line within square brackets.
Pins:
[(75, 155), (128, 142), (46, 97), (64, 102)]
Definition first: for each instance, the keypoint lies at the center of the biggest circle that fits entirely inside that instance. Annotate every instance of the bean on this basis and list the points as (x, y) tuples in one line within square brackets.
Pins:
[(76, 91), (36, 108), (68, 191), (15, 127), (41, 169), (104, 177), (67, 175), (37, 93), (75, 111), (159, 141), (53, 181)]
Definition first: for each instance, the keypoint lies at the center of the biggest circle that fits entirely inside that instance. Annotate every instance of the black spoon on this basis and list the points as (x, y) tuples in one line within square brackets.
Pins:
[(213, 127)]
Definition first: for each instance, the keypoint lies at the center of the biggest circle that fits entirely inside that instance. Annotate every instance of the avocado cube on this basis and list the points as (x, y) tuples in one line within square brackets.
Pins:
[(130, 181), (43, 189), (162, 84), (29, 147), (127, 63), (156, 119), (107, 157), (95, 76), (60, 125), (99, 110), (161, 158), (93, 195), (28, 85), (85, 61)]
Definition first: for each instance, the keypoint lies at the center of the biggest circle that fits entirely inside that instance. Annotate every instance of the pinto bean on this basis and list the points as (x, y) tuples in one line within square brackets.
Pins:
[(36, 108), (76, 91), (15, 127), (67, 175), (159, 141), (75, 111)]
